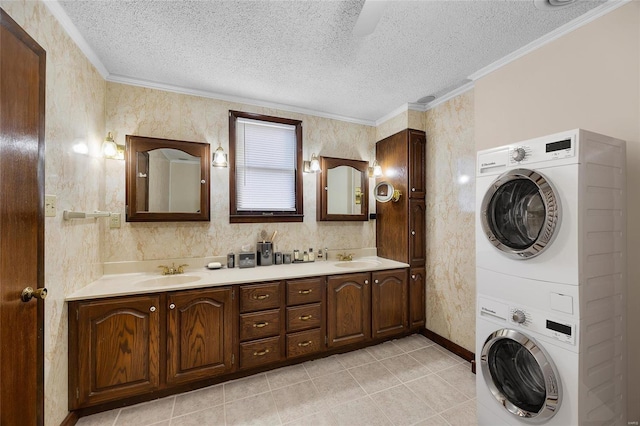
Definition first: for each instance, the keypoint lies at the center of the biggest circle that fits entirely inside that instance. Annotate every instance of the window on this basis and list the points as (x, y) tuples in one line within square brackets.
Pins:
[(265, 176)]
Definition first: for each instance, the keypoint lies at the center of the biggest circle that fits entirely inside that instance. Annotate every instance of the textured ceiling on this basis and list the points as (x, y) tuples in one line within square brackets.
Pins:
[(303, 54)]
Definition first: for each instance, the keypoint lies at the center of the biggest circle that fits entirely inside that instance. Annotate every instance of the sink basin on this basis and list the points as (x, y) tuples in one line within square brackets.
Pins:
[(354, 264), (169, 280)]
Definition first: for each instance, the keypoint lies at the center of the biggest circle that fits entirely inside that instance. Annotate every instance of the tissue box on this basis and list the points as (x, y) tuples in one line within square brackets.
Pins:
[(247, 260)]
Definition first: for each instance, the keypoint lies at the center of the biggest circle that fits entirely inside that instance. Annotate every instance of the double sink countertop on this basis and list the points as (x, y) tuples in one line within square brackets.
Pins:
[(194, 276)]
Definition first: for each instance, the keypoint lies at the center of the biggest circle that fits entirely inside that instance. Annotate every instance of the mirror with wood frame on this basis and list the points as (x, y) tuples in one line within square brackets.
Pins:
[(166, 180), (343, 190)]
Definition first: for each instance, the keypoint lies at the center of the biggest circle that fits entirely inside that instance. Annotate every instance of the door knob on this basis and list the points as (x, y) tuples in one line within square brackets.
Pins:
[(29, 293)]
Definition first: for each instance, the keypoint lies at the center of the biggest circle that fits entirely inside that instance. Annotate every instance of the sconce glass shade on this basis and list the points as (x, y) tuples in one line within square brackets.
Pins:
[(312, 166), (375, 171), (110, 149), (219, 158)]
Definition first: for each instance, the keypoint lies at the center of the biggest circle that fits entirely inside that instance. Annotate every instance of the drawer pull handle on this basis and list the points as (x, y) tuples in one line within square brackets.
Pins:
[(305, 344), (260, 324), (262, 353), (305, 291), (305, 317), (260, 296)]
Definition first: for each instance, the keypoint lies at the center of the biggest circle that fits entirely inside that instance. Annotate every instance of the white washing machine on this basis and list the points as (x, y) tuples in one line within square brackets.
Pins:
[(552, 208), (551, 281), (537, 362)]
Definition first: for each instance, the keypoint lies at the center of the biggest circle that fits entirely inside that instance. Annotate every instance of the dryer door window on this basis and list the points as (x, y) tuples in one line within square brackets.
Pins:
[(520, 213), (520, 375)]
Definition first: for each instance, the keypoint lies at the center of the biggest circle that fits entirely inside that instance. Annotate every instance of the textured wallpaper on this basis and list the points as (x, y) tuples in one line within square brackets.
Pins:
[(75, 95), (451, 157), (150, 112)]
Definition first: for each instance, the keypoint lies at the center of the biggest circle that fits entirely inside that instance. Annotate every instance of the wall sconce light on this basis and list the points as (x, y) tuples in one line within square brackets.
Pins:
[(110, 149), (219, 157), (312, 166), (375, 171)]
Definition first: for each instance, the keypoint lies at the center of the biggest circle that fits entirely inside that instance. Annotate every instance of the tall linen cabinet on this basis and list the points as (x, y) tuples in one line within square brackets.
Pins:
[(401, 225)]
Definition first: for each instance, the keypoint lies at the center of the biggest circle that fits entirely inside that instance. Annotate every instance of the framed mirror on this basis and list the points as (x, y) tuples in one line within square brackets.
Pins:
[(343, 190), (166, 180)]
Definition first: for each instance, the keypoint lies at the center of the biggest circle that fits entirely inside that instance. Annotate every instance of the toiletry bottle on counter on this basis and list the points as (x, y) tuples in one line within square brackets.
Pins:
[(305, 257), (311, 255), (296, 255), (231, 260)]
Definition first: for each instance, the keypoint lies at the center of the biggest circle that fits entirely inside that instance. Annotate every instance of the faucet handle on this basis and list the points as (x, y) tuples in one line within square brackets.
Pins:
[(181, 268), (165, 269)]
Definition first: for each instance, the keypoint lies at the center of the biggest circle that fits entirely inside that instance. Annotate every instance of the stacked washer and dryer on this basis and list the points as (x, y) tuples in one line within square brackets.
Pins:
[(551, 281)]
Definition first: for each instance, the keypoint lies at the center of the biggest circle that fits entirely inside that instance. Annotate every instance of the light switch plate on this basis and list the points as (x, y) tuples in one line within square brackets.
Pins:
[(114, 220), (50, 205)]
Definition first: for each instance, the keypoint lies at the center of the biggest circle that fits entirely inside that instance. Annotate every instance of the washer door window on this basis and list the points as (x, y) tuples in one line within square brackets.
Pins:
[(521, 376), (520, 213)]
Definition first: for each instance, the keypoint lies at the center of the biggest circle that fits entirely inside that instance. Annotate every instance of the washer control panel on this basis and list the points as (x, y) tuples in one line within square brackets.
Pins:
[(540, 323)]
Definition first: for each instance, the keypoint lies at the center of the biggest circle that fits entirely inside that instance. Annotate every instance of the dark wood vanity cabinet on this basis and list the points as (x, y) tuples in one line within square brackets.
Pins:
[(401, 226), (199, 334), (389, 301), (348, 309), (417, 291), (305, 326), (114, 349)]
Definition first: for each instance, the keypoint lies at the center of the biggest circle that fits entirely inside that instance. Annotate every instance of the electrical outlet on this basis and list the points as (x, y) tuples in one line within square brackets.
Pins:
[(114, 220), (50, 205)]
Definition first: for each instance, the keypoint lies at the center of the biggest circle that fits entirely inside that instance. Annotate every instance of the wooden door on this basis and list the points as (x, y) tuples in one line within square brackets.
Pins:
[(348, 309), (199, 334), (417, 232), (389, 304), (417, 164), (114, 349), (417, 300), (22, 106)]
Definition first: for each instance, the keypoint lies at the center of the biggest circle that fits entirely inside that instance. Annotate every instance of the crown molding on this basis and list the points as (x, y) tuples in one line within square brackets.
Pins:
[(58, 12), (578, 22), (452, 94), (235, 99)]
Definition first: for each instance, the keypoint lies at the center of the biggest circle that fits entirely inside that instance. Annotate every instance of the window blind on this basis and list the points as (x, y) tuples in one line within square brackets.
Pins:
[(265, 166)]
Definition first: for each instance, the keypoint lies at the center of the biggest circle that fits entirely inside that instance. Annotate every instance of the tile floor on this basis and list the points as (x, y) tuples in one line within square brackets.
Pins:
[(409, 381)]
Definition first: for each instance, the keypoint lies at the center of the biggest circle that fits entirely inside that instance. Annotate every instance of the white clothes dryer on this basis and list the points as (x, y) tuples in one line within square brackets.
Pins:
[(552, 208)]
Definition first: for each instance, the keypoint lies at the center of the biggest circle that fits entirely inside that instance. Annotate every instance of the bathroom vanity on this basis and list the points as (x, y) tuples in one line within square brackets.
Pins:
[(135, 337)]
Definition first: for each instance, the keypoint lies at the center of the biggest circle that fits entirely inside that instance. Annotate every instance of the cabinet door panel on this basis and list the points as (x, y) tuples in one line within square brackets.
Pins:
[(348, 309), (117, 350), (417, 232), (417, 164), (389, 303), (199, 334), (417, 297)]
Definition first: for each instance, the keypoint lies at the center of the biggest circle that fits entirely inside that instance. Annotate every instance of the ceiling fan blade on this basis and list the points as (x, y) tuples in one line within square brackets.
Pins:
[(369, 16)]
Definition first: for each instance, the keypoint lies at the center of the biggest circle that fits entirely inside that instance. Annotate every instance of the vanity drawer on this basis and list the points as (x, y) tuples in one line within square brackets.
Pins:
[(255, 353), (303, 317), (259, 297), (304, 291), (259, 324), (304, 343)]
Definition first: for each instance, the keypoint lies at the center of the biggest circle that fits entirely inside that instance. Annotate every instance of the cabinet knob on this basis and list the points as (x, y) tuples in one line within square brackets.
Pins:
[(413, 232), (172, 306), (203, 181), (413, 190), (366, 281), (376, 281), (152, 309), (413, 277), (260, 296)]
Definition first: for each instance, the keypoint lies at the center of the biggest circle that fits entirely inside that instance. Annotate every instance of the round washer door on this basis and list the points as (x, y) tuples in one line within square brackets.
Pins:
[(521, 376), (520, 213)]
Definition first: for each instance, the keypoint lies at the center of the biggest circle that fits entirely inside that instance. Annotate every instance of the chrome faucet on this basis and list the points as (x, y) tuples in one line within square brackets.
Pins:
[(173, 270)]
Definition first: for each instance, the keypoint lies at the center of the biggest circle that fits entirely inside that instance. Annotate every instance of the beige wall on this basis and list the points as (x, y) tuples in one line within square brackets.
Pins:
[(156, 113), (451, 273), (589, 79), (75, 95)]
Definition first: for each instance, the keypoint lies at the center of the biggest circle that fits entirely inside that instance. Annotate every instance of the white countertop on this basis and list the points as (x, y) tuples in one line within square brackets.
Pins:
[(145, 282)]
